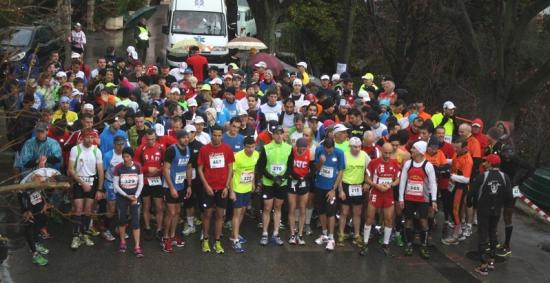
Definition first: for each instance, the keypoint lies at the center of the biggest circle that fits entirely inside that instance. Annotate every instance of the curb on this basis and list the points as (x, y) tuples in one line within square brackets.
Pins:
[(533, 209)]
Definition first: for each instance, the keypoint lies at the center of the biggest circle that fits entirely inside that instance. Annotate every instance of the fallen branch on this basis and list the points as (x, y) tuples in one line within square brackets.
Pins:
[(35, 186)]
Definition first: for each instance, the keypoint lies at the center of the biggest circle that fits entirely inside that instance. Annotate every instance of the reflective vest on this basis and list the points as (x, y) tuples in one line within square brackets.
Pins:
[(143, 33), (277, 159), (354, 174)]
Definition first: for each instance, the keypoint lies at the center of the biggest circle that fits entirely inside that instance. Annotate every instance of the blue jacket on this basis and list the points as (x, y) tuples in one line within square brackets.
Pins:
[(33, 149), (107, 139)]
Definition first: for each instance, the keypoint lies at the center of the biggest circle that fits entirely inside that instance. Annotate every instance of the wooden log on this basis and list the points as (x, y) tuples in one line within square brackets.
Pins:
[(35, 186)]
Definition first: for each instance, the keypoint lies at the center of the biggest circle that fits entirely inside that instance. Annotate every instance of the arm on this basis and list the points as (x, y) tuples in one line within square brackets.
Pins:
[(432, 182), (118, 190), (289, 165), (140, 185), (100, 175), (260, 166), (403, 180), (166, 174)]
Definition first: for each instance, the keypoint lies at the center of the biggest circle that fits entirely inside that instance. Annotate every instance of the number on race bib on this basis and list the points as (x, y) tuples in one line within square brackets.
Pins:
[(154, 181), (247, 177), (88, 180), (180, 177), (355, 190), (36, 198), (217, 161), (327, 172), (515, 192), (277, 169), (415, 188), (385, 181)]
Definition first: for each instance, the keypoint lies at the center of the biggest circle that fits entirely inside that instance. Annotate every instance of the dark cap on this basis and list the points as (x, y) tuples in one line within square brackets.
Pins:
[(272, 126), (433, 142), (301, 142), (279, 129), (120, 140), (41, 127)]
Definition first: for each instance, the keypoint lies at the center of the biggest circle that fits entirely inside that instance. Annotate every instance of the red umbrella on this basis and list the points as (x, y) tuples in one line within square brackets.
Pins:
[(273, 63)]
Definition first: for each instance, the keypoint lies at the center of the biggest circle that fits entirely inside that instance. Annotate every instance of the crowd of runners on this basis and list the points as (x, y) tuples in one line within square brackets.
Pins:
[(160, 153)]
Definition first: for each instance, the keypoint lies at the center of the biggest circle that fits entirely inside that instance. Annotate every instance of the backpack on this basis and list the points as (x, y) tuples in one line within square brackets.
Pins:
[(485, 175), (79, 151)]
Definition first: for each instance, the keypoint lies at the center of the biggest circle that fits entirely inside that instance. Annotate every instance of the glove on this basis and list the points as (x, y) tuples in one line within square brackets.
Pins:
[(277, 181)]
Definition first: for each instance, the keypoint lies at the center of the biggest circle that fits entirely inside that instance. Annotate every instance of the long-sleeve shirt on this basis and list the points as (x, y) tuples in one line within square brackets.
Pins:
[(429, 182)]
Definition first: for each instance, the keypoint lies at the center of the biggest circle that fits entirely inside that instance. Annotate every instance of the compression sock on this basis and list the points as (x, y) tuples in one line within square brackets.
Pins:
[(309, 212), (508, 235), (77, 224), (86, 222), (409, 235), (424, 238), (190, 222), (430, 223), (366, 233), (387, 235)]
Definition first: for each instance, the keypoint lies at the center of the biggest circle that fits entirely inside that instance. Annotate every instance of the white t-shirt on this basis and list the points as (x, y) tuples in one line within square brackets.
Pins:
[(271, 112), (86, 165), (203, 138)]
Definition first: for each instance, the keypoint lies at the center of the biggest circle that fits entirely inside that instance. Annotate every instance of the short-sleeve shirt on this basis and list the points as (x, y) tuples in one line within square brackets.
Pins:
[(236, 143), (243, 171), (334, 163), (383, 172), (216, 161), (86, 165)]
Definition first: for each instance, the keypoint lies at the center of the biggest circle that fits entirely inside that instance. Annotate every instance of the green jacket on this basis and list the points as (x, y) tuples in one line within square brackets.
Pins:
[(133, 136)]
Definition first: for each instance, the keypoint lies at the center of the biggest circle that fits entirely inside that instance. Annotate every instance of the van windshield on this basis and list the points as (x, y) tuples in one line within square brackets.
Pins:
[(197, 22)]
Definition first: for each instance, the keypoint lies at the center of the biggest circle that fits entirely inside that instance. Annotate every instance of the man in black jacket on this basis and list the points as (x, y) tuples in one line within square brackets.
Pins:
[(491, 191)]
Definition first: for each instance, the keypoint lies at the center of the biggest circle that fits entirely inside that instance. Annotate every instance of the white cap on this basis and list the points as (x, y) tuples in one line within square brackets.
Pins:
[(449, 105), (364, 95), (190, 128), (336, 77), (182, 66), (355, 141), (192, 102), (61, 74), (241, 112), (88, 106), (175, 89), (198, 120), (227, 76), (76, 92), (340, 128), (216, 81), (75, 55), (325, 77), (80, 75), (420, 146), (302, 103), (261, 64), (303, 64), (297, 82)]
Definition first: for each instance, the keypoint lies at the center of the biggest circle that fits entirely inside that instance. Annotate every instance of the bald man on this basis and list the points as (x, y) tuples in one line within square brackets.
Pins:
[(474, 148), (369, 145)]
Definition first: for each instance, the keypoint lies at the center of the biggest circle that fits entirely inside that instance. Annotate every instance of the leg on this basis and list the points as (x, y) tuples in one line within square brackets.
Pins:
[(159, 212), (236, 221), (135, 210), (147, 212), (78, 206), (277, 205), (206, 222), (302, 202), (220, 214), (89, 204), (291, 214), (169, 219), (507, 213), (388, 221), (344, 213), (266, 215)]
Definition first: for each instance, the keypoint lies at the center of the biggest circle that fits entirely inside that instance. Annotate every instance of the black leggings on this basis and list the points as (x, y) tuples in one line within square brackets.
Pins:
[(32, 230), (487, 231), (447, 202)]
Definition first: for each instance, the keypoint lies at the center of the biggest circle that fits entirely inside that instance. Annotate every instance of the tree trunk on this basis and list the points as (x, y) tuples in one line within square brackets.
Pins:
[(64, 10), (347, 39), (90, 9), (232, 12)]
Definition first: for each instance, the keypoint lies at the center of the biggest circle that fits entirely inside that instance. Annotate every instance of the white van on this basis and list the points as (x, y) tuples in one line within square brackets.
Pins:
[(203, 21), (246, 25)]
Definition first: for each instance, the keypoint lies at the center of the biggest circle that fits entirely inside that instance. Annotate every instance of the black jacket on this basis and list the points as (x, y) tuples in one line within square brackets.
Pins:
[(491, 191)]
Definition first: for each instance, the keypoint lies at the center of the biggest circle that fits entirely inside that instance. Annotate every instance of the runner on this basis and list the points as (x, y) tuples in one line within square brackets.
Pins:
[(241, 188), (273, 169), (352, 191), (299, 190), (86, 168), (383, 177), (110, 161), (151, 155), (192, 203), (128, 183), (177, 171), (417, 188), (215, 169), (329, 168)]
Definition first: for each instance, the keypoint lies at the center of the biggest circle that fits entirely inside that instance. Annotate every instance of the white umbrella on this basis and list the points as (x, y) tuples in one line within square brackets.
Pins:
[(246, 43)]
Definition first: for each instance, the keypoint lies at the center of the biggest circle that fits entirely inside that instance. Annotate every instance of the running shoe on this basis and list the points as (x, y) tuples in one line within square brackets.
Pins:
[(93, 231), (358, 241), (167, 245), (86, 239), (323, 239), (424, 253), (467, 231), (308, 230), (218, 247), (147, 234), (237, 247), (264, 240), (330, 245), (138, 252), (178, 242), (122, 247), (76, 243), (301, 241), (364, 251), (277, 240), (450, 241), (197, 221), (462, 237), (340, 240), (41, 249), (107, 235), (292, 240), (482, 270), (502, 251), (409, 250), (242, 240), (188, 230), (38, 259), (386, 250), (205, 246), (399, 240)]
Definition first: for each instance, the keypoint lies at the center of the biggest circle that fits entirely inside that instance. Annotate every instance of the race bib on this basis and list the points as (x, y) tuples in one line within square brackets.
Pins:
[(154, 181), (217, 161), (247, 177), (385, 181), (515, 192), (277, 169), (35, 198), (415, 188), (88, 180), (271, 116), (355, 190), (295, 183), (448, 139), (326, 172), (128, 181), (180, 177)]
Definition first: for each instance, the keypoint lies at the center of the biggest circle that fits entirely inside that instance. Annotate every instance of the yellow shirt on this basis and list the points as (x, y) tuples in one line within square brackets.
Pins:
[(70, 116)]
